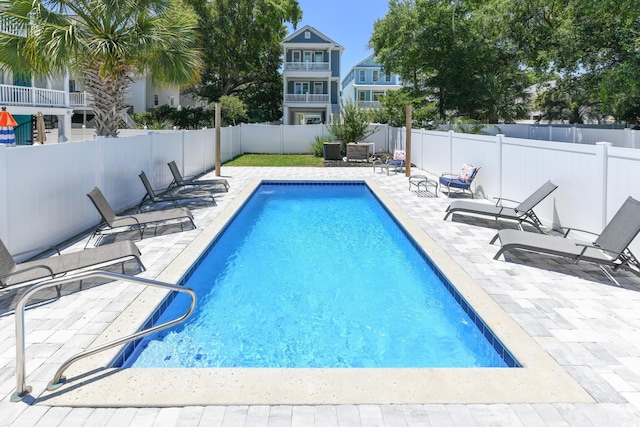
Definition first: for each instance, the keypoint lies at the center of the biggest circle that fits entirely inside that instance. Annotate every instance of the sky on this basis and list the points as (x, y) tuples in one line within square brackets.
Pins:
[(347, 22)]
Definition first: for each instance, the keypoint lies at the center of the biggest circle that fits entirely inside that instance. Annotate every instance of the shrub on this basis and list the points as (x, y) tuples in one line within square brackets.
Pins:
[(317, 148)]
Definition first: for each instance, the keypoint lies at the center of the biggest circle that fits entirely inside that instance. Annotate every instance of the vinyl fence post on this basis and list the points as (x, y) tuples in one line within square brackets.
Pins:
[(603, 152)]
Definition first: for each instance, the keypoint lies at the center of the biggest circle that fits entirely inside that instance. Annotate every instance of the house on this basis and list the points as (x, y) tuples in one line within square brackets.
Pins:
[(62, 101), (311, 74), (366, 82)]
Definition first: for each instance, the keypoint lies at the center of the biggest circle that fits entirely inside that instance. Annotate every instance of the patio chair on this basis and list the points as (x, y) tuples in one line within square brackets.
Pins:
[(203, 184), (610, 248), (173, 197), (396, 164), (13, 275), (460, 181), (522, 213), (111, 221)]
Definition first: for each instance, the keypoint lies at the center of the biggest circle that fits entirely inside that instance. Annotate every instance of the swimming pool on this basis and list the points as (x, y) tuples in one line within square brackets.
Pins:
[(539, 379), (319, 275)]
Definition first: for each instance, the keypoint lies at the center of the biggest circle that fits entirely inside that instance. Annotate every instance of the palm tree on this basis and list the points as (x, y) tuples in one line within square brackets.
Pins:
[(104, 43)]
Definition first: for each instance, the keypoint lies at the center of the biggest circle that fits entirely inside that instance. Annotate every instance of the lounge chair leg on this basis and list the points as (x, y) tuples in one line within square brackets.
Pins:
[(494, 239), (500, 251), (606, 273)]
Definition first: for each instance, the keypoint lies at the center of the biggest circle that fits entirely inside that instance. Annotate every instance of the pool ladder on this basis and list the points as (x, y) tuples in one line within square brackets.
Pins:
[(23, 390)]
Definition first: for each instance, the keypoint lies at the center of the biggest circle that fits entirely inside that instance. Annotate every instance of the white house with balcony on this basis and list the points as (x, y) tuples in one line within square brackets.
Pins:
[(60, 98), (365, 83), (311, 77)]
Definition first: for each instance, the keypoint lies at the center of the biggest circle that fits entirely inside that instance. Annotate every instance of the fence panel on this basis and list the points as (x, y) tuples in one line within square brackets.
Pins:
[(477, 150), (264, 139), (165, 148), (379, 139), (622, 181), (298, 138), (527, 165), (120, 162)]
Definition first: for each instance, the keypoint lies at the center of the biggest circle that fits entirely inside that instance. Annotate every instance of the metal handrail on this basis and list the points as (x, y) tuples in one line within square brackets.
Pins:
[(23, 390)]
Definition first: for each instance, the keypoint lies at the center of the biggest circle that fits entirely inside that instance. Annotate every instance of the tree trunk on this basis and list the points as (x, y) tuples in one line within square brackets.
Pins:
[(108, 98)]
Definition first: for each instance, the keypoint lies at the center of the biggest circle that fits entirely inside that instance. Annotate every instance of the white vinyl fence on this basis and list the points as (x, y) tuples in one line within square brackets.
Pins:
[(43, 188), (593, 180)]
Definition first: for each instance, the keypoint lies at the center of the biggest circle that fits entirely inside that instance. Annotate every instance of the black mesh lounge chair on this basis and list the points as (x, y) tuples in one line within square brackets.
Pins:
[(523, 212), (167, 196), (204, 184), (610, 249), (13, 275), (111, 221)]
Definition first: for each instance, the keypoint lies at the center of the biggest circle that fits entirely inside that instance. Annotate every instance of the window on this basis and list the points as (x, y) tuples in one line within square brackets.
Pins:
[(377, 95), (361, 75), (375, 76), (155, 100), (362, 96), (307, 34), (317, 87), (307, 56), (318, 57), (296, 56), (301, 88), (172, 100)]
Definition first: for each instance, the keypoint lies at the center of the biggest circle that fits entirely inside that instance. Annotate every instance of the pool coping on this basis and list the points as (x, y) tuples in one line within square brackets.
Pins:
[(539, 380)]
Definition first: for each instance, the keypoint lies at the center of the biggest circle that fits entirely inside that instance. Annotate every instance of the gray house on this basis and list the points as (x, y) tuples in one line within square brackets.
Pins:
[(311, 77)]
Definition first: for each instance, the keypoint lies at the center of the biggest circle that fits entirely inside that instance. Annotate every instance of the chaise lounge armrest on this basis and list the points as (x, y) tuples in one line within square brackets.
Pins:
[(24, 270)]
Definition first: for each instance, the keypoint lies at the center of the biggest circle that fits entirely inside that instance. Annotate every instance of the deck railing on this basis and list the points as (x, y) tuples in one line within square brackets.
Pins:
[(307, 66), (34, 96), (12, 26), (308, 98)]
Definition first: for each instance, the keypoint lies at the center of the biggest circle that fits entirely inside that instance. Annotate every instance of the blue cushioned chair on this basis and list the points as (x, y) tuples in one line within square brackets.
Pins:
[(461, 181)]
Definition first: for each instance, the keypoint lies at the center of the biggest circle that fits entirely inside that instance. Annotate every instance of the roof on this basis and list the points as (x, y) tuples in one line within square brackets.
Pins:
[(317, 33)]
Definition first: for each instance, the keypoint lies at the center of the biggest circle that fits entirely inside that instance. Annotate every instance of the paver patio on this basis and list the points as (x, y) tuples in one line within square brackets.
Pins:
[(587, 324)]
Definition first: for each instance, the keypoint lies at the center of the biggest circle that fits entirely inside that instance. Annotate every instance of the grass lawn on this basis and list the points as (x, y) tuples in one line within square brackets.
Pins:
[(276, 160)]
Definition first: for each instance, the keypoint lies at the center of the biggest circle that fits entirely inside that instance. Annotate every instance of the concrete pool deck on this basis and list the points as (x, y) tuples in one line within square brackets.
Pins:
[(589, 326)]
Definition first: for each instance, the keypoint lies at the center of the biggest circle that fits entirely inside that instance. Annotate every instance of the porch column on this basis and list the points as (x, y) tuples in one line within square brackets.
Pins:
[(64, 127)]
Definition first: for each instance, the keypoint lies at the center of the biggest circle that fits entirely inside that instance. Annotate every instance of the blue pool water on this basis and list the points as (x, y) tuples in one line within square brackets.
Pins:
[(311, 276)]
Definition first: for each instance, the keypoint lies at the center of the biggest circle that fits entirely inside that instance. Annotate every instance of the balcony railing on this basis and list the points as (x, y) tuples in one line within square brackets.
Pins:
[(80, 99), (369, 104), (12, 26), (308, 98), (307, 66), (33, 96)]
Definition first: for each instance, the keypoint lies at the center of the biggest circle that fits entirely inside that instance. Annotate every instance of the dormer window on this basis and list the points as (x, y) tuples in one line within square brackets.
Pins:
[(307, 34)]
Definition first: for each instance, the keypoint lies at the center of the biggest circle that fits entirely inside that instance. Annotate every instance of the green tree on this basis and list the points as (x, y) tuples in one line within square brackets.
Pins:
[(105, 43), (393, 109), (232, 109), (595, 41), (241, 46), (449, 54)]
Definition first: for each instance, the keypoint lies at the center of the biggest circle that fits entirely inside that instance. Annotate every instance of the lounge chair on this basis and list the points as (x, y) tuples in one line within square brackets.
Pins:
[(610, 249), (173, 197), (460, 181), (200, 184), (13, 275), (396, 164), (112, 221), (523, 212)]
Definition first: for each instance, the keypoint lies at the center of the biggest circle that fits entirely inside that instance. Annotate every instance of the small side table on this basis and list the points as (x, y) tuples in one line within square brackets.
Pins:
[(419, 181)]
